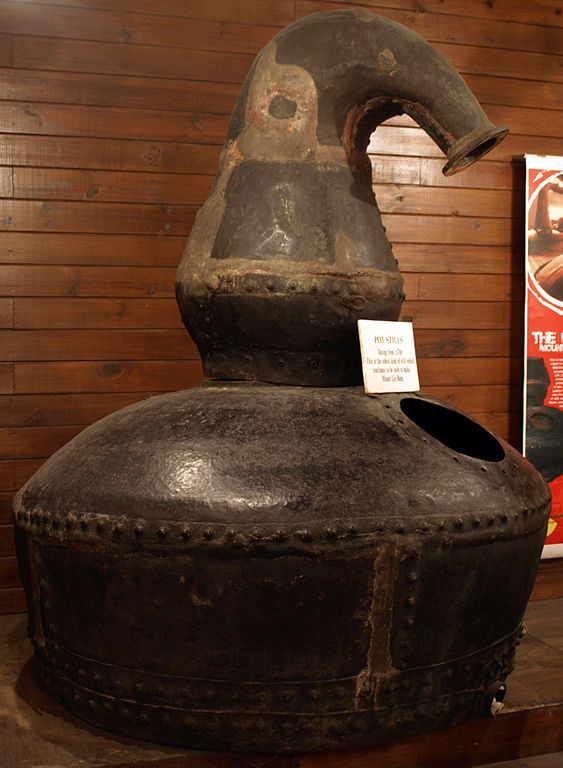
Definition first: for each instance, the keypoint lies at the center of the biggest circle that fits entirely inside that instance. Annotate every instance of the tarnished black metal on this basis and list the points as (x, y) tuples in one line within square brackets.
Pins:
[(276, 568), (291, 230), (265, 567)]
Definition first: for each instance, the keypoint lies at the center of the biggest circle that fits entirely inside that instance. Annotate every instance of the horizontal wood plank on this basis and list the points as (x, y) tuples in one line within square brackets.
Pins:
[(68, 410), (7, 475), (549, 580), (106, 218), (7, 546), (6, 499), (121, 344), (18, 280), (427, 171), (88, 248), (445, 315), (6, 378), (109, 376), (456, 287), (479, 398), (6, 313), (133, 29), (463, 258), (466, 373), (126, 59), (116, 123), (9, 576), (108, 154), (77, 313), (12, 601), (35, 442), (277, 12), (437, 201), (127, 187)]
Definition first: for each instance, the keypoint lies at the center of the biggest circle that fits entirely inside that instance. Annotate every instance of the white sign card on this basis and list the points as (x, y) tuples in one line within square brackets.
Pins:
[(388, 356)]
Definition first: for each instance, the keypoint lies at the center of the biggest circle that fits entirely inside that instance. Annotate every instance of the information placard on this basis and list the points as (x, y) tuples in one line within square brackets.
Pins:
[(388, 356)]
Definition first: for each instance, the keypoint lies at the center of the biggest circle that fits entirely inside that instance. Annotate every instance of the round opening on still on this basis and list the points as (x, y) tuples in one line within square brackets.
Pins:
[(453, 429)]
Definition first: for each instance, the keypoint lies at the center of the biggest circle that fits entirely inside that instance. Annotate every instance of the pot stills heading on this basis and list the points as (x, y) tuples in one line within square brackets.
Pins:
[(274, 561)]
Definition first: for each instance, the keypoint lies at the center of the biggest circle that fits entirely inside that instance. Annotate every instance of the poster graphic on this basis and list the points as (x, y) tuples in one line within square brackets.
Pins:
[(543, 344)]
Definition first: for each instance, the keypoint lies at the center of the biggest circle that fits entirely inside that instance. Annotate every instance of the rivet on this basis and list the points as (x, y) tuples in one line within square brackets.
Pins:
[(100, 527), (279, 535), (330, 532), (503, 518), (490, 520), (399, 528), (208, 534), (92, 704), (352, 530), (270, 285), (117, 529), (186, 533), (138, 530), (483, 468), (97, 678), (107, 706), (456, 459), (292, 285), (76, 697), (476, 522), (412, 577), (305, 534), (409, 622), (81, 674), (458, 523), (525, 511), (441, 525), (161, 533), (411, 601), (143, 717), (124, 712)]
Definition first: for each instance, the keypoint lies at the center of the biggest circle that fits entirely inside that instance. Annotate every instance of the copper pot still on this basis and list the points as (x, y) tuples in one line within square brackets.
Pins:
[(275, 561)]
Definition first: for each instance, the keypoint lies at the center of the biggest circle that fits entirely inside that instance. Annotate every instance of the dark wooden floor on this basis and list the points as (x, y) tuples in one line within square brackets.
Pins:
[(35, 731)]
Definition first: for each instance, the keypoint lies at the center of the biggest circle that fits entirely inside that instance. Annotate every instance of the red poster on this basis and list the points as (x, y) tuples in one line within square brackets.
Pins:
[(543, 345)]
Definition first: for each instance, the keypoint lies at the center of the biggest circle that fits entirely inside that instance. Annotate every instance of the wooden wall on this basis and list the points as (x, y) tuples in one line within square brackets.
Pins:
[(113, 114)]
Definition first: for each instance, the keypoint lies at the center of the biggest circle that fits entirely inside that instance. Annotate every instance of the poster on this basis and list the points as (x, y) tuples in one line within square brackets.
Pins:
[(543, 334)]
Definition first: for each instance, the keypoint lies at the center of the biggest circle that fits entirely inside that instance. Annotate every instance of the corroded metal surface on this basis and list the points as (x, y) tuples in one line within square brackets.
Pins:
[(286, 568), (291, 230), (275, 568)]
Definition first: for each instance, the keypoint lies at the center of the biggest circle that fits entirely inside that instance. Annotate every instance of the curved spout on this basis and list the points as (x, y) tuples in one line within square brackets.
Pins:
[(365, 69), (289, 249)]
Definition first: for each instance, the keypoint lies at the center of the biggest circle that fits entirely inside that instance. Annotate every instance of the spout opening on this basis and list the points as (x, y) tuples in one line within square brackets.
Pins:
[(470, 148)]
